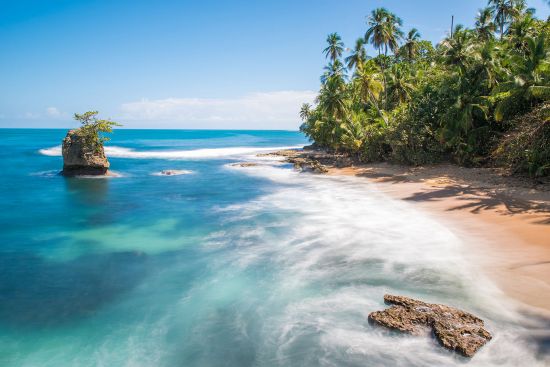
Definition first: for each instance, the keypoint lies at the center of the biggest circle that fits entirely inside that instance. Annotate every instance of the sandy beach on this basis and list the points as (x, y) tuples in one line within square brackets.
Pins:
[(510, 217)]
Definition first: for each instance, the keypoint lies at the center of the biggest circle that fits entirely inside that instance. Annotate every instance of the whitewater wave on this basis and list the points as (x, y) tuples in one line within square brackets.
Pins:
[(208, 153), (341, 245)]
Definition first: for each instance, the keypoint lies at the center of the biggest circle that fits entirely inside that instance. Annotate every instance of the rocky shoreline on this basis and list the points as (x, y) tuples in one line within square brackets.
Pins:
[(312, 160)]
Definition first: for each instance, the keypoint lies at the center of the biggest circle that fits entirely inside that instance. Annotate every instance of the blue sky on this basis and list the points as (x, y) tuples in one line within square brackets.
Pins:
[(184, 64)]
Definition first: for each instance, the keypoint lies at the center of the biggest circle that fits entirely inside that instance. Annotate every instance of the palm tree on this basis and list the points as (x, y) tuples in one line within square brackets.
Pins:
[(332, 99), (376, 33), (367, 82), (384, 31), (399, 84), (358, 55), (410, 46), (486, 65), (335, 47), (305, 111), (484, 24), (520, 30), (334, 70), (531, 79), (505, 10), (392, 27), (458, 49)]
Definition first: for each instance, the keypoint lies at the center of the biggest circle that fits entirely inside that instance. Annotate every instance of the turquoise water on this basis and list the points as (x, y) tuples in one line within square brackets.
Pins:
[(222, 265)]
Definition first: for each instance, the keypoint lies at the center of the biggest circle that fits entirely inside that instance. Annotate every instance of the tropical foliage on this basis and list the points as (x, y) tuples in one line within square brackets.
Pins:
[(93, 130), (415, 103)]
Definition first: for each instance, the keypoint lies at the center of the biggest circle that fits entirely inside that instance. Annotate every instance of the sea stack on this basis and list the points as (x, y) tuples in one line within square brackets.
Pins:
[(81, 157)]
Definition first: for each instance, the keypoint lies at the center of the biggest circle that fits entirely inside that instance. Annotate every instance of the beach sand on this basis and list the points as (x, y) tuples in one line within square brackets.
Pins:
[(508, 217)]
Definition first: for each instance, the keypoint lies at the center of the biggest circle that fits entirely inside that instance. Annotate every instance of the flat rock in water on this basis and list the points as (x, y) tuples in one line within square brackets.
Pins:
[(173, 172), (245, 164), (454, 329)]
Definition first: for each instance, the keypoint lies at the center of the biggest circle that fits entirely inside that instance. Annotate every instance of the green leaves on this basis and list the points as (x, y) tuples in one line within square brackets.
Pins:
[(417, 103), (92, 128)]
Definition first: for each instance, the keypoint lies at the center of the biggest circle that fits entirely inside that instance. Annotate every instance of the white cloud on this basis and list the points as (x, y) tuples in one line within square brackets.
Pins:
[(268, 110), (48, 113), (53, 112)]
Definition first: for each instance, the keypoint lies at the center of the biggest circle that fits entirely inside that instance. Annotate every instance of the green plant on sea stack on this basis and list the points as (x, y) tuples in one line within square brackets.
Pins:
[(92, 129)]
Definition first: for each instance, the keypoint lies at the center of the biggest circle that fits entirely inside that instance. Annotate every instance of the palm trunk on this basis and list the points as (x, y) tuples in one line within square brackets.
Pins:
[(384, 77), (373, 101)]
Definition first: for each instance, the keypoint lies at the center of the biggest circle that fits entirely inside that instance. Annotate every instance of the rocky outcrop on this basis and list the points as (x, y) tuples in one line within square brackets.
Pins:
[(81, 158), (307, 165), (454, 329), (311, 159)]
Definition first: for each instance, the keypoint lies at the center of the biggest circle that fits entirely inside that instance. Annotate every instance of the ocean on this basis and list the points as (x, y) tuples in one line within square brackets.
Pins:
[(222, 265)]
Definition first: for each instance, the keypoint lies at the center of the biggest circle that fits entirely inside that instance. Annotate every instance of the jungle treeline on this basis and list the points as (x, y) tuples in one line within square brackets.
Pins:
[(479, 97)]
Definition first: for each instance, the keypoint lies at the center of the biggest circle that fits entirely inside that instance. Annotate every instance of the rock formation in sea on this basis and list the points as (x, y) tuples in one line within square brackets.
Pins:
[(81, 157), (454, 329)]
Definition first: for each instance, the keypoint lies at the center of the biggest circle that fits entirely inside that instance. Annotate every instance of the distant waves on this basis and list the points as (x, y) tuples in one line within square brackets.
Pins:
[(121, 152)]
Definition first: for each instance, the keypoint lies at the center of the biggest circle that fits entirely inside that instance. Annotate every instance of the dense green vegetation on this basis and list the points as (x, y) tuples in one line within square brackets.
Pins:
[(93, 130), (466, 99)]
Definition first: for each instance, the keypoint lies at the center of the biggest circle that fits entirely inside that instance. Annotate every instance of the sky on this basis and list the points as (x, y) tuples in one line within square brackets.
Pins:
[(183, 64)]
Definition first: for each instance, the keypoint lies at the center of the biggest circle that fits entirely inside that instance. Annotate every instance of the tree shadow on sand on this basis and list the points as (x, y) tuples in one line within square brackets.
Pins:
[(476, 201), (485, 194)]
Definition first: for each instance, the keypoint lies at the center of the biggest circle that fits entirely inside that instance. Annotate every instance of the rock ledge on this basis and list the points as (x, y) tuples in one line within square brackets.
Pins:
[(454, 329)]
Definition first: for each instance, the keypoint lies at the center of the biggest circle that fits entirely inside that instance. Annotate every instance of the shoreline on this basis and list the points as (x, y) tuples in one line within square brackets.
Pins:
[(510, 216)]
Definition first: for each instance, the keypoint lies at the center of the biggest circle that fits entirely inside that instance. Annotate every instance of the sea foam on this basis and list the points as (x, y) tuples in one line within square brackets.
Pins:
[(122, 152)]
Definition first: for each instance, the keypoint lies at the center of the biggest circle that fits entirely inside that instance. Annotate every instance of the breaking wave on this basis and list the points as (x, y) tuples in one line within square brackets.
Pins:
[(121, 152)]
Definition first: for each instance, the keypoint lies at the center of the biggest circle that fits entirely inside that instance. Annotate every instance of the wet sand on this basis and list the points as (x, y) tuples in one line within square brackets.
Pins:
[(509, 216)]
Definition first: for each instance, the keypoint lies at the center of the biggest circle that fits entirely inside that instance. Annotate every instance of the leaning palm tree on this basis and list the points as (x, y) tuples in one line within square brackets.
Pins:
[(484, 24), (358, 55), (410, 47), (335, 47), (305, 111)]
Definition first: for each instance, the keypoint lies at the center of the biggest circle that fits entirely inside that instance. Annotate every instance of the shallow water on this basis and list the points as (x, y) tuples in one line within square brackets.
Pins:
[(223, 265)]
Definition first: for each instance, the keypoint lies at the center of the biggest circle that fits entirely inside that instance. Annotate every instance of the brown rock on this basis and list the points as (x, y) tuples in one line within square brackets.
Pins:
[(81, 158), (454, 329), (307, 165)]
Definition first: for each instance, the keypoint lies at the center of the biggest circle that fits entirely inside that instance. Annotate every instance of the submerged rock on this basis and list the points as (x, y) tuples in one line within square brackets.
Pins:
[(454, 329), (82, 158), (173, 172)]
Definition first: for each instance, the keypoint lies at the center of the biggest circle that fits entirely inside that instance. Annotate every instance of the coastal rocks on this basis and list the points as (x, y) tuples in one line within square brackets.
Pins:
[(454, 329), (307, 165), (312, 159), (81, 158), (244, 164)]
